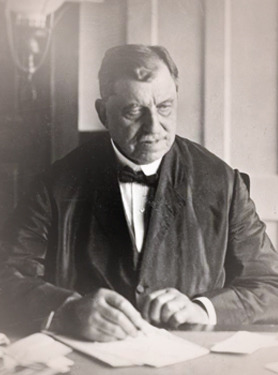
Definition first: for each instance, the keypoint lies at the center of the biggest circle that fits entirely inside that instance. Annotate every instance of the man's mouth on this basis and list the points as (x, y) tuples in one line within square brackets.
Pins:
[(150, 140)]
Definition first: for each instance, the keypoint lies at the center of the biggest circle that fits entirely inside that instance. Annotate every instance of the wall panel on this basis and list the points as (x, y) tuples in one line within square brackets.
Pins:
[(254, 102), (254, 85), (101, 26), (244, 129), (181, 31)]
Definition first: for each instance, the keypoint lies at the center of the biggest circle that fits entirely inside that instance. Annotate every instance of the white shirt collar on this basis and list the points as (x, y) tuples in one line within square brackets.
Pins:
[(148, 169)]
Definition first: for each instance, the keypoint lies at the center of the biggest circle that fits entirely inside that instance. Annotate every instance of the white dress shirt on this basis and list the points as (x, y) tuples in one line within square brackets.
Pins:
[(134, 198)]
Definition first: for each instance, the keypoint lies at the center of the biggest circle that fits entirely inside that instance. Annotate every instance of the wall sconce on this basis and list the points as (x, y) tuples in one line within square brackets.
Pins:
[(30, 24), (29, 28)]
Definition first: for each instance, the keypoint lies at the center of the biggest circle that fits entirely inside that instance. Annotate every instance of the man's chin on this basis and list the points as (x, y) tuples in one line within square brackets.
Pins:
[(144, 157)]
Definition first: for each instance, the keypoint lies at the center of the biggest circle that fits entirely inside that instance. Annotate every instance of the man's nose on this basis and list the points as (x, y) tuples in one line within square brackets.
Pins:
[(151, 120)]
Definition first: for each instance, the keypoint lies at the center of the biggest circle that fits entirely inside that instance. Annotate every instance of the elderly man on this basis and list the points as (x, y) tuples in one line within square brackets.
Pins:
[(138, 224)]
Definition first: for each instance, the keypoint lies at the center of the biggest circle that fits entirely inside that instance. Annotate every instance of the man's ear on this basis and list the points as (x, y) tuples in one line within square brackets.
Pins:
[(101, 111)]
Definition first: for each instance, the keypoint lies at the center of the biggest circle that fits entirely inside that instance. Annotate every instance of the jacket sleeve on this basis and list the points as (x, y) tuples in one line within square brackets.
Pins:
[(25, 298), (250, 293)]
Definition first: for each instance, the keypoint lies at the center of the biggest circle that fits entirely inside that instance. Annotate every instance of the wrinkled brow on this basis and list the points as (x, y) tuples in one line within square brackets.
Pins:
[(144, 74)]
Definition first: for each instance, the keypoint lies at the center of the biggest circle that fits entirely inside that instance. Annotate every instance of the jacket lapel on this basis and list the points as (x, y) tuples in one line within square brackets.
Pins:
[(115, 242), (169, 199)]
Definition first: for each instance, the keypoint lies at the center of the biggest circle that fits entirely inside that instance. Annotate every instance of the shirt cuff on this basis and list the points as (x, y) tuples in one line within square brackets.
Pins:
[(209, 309)]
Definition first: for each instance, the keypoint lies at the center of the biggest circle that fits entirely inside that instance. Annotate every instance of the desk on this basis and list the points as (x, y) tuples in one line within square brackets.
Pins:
[(211, 364)]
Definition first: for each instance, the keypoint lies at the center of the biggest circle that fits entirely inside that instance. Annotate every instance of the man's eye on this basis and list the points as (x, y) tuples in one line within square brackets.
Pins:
[(133, 112), (164, 109)]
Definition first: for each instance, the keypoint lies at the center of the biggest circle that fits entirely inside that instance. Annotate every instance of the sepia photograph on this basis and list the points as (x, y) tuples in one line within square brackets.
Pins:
[(138, 187)]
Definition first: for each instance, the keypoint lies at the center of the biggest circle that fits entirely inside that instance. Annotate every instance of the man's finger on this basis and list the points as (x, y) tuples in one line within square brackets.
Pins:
[(96, 334), (172, 306), (118, 318), (157, 306), (120, 303), (179, 318), (148, 301), (108, 328), (191, 313)]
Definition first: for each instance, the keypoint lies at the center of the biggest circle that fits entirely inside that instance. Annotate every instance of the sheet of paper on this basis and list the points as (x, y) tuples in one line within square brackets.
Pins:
[(157, 348), (244, 342), (273, 366), (4, 339), (60, 364), (36, 348)]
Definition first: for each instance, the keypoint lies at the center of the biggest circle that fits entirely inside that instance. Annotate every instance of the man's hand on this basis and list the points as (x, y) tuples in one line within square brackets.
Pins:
[(104, 316), (171, 307)]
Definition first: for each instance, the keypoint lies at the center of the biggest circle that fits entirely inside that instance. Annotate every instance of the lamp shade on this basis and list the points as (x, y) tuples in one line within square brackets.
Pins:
[(34, 8)]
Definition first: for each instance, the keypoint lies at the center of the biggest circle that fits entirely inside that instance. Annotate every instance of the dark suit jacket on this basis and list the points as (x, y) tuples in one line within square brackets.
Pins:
[(204, 238)]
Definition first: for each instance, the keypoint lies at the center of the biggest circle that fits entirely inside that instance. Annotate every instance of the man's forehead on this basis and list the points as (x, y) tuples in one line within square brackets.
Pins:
[(161, 80), (150, 70)]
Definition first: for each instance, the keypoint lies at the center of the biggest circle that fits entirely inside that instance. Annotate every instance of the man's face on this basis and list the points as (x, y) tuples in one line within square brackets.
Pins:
[(141, 116)]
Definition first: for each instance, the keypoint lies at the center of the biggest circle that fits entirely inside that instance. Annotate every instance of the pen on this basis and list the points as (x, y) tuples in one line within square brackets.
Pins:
[(49, 321)]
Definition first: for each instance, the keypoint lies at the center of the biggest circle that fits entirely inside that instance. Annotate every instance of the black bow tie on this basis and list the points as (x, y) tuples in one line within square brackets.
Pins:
[(126, 174)]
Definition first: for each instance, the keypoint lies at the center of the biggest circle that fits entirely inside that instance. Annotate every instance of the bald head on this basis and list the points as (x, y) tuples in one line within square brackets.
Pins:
[(133, 61)]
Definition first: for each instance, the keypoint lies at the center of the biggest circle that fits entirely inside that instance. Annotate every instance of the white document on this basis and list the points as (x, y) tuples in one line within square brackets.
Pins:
[(244, 342), (4, 339), (60, 364), (273, 366), (36, 348), (157, 348)]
